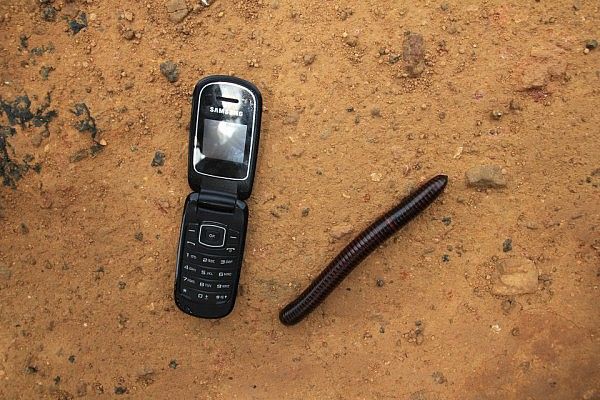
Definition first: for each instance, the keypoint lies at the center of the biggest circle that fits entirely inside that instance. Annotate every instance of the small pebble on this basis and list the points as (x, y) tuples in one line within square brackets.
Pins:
[(351, 40), (507, 245), (309, 58), (379, 282), (545, 278), (23, 39), (507, 305), (376, 177), (170, 71), (177, 10), (49, 14), (31, 369), (515, 276), (485, 176), (591, 44), (159, 159), (120, 390), (128, 34), (394, 58), (339, 231), (78, 23), (496, 114), (413, 54), (515, 105)]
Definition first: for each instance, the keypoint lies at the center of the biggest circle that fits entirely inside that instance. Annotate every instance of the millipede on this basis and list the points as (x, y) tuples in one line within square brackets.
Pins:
[(359, 248)]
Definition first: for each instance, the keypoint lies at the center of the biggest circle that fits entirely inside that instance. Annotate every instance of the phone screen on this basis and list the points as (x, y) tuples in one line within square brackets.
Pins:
[(224, 131), (224, 140)]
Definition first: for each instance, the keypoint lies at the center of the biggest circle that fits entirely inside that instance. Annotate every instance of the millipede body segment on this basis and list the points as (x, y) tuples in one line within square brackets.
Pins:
[(363, 245)]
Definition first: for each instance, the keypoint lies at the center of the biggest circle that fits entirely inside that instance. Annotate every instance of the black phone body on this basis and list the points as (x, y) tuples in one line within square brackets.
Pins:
[(223, 146)]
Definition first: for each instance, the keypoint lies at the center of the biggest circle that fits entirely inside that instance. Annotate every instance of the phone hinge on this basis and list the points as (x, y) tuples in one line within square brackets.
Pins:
[(218, 201)]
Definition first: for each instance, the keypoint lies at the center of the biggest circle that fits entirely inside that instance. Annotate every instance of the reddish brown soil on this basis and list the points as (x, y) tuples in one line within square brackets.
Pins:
[(86, 309)]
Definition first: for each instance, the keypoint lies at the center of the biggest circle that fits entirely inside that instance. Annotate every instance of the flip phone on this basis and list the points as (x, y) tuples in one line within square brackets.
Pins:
[(223, 146)]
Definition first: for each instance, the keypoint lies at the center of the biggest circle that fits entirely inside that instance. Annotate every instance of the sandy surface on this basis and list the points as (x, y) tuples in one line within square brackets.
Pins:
[(353, 119)]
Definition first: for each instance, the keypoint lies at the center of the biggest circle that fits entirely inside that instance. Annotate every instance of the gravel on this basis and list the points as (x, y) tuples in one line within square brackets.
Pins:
[(413, 54), (128, 34), (18, 112), (159, 159), (120, 390), (78, 23), (515, 276), (309, 58), (485, 176), (496, 115), (170, 71), (45, 72), (177, 10), (507, 245), (86, 122), (591, 44), (49, 14), (340, 231)]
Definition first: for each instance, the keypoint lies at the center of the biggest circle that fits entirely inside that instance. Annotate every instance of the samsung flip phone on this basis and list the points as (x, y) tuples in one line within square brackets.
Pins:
[(223, 146)]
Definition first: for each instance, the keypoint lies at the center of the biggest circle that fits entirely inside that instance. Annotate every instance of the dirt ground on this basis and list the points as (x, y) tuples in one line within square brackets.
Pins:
[(354, 117)]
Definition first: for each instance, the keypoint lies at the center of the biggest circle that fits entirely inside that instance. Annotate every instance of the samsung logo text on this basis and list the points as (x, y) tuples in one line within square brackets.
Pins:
[(225, 111)]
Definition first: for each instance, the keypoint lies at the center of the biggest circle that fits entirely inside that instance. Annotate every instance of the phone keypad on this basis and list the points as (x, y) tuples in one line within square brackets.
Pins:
[(210, 262)]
